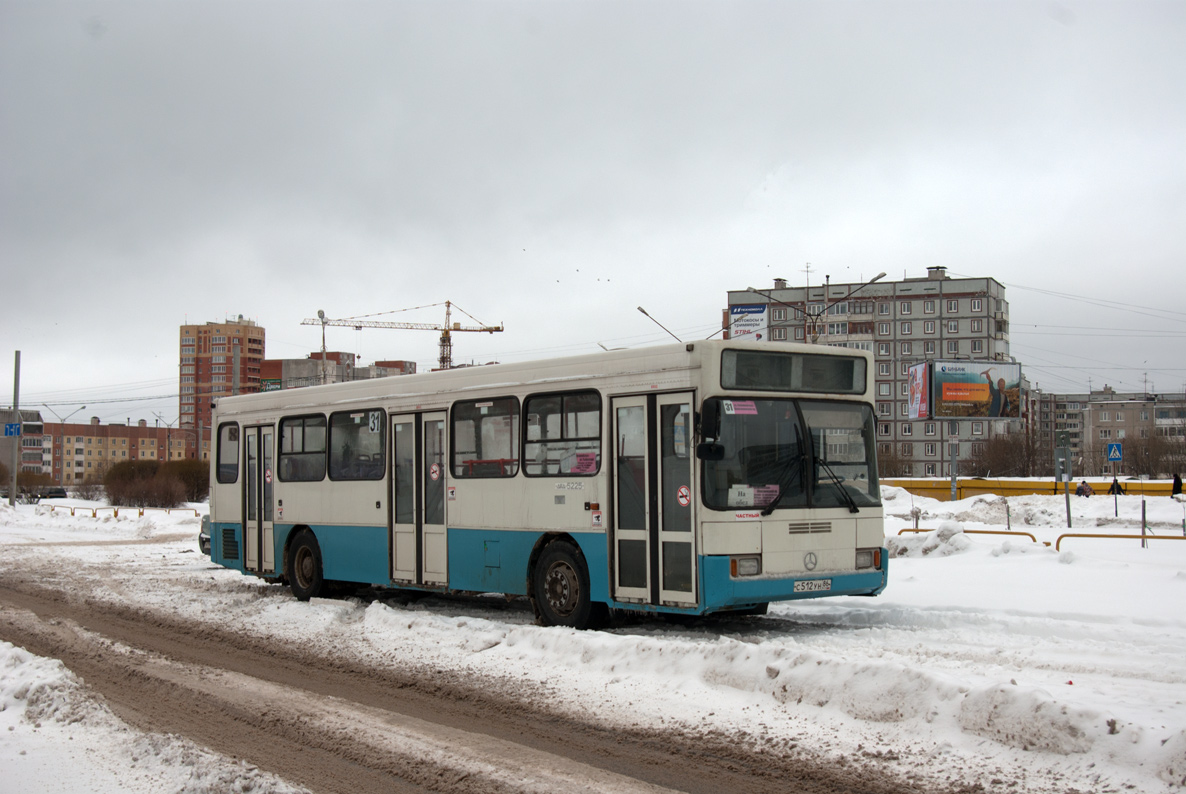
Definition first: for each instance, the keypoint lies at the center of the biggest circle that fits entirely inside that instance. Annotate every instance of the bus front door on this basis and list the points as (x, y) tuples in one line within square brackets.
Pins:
[(419, 551), (653, 542), (259, 541)]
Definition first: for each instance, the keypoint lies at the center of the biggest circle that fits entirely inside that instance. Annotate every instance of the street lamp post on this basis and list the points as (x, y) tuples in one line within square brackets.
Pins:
[(812, 319)]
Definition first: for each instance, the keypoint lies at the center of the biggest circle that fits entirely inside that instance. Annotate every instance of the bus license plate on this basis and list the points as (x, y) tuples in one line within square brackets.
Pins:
[(812, 585)]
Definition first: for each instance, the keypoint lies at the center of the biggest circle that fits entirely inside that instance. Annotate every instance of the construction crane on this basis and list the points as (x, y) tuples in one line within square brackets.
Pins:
[(446, 330)]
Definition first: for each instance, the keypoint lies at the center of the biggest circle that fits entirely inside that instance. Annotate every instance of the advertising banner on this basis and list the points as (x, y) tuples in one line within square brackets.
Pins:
[(977, 390), (920, 391), (748, 319)]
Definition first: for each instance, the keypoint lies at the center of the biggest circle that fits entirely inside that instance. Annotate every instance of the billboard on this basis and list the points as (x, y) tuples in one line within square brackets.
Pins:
[(920, 391), (976, 390), (745, 319)]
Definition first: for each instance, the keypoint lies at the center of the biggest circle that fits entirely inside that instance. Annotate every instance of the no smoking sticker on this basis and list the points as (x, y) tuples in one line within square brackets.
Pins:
[(684, 496), (434, 471)]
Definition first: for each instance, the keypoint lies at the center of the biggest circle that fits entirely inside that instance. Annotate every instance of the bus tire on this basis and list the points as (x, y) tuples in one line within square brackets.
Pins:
[(304, 567), (560, 588)]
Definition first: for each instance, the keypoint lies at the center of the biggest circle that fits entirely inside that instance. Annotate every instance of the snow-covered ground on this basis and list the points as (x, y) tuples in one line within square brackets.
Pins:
[(990, 658)]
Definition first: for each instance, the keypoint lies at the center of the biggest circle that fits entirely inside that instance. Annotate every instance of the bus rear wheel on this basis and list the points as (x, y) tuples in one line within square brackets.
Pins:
[(560, 591), (304, 567)]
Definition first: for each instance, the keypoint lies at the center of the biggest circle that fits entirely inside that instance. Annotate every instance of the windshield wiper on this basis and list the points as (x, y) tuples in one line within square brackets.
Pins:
[(852, 505), (795, 465)]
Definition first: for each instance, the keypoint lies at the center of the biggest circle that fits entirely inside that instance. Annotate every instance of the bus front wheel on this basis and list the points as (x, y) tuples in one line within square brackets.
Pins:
[(560, 591), (304, 567)]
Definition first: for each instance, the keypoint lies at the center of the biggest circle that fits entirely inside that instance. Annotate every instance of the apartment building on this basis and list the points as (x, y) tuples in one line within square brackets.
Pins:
[(902, 323), (1150, 429), (217, 359), (29, 442), (73, 453)]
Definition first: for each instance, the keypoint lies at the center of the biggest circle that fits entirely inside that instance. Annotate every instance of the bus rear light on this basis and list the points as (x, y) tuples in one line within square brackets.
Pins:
[(745, 566), (868, 558)]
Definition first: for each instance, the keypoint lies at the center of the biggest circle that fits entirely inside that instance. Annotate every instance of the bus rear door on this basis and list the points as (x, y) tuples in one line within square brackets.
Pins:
[(419, 548), (259, 497)]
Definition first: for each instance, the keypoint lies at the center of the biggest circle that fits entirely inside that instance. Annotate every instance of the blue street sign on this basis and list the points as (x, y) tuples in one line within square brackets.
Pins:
[(1114, 453), (12, 428)]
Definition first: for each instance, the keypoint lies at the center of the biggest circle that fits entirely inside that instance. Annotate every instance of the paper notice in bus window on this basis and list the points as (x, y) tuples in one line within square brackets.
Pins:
[(741, 496), (765, 494), (740, 407), (585, 463)]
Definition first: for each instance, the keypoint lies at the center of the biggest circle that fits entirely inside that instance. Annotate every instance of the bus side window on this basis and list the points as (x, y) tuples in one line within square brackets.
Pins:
[(563, 434), (302, 448), (228, 453), (356, 445), (485, 438)]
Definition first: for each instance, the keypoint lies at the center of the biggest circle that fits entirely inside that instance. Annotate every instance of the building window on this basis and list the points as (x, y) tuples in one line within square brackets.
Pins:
[(1105, 433), (883, 348), (907, 429), (953, 326), (883, 329), (928, 348), (905, 367), (906, 329), (953, 348), (978, 428), (977, 345), (953, 305), (928, 307), (883, 308), (778, 315), (883, 369), (904, 409), (907, 448), (1104, 416), (930, 469), (977, 305), (883, 428), (884, 389), (884, 409), (928, 327), (904, 386), (778, 334), (978, 326), (929, 428), (929, 449), (906, 348), (799, 333), (905, 307)]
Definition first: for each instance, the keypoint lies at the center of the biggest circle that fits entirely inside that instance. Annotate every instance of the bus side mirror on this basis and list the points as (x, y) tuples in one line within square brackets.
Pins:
[(710, 452), (710, 421)]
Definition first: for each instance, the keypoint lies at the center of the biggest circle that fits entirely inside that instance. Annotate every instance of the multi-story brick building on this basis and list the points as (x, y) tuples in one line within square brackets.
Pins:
[(74, 453), (293, 373), (902, 323), (217, 359)]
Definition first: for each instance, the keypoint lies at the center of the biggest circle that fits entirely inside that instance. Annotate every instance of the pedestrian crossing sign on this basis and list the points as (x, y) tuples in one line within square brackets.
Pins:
[(1114, 453)]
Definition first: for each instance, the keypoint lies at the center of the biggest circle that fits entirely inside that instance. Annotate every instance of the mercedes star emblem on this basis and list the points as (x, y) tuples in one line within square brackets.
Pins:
[(810, 561)]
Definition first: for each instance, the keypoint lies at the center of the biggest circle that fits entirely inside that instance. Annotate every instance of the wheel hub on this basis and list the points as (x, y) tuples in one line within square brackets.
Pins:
[(562, 588)]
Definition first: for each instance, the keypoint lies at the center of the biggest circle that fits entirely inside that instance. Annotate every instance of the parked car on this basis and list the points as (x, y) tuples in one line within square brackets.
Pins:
[(204, 536)]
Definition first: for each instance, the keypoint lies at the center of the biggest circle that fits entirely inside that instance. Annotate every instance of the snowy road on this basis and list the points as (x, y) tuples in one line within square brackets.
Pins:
[(991, 664)]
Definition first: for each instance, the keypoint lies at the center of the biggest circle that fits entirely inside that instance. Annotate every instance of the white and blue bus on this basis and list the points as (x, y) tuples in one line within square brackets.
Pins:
[(697, 478)]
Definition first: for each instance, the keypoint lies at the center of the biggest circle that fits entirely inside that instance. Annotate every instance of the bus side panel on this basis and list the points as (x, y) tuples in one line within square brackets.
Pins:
[(226, 544), (496, 561), (353, 553), (722, 591)]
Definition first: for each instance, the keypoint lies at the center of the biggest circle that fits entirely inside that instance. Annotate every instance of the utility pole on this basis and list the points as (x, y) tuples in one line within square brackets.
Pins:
[(16, 444)]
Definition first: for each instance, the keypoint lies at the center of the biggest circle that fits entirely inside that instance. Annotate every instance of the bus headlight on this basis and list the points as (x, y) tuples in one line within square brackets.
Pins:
[(746, 566), (868, 558)]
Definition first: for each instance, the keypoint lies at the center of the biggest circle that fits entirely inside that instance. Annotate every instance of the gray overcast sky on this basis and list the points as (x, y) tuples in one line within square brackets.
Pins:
[(553, 165)]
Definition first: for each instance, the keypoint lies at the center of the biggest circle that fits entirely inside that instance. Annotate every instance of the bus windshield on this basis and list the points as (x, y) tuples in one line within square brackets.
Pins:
[(793, 453)]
